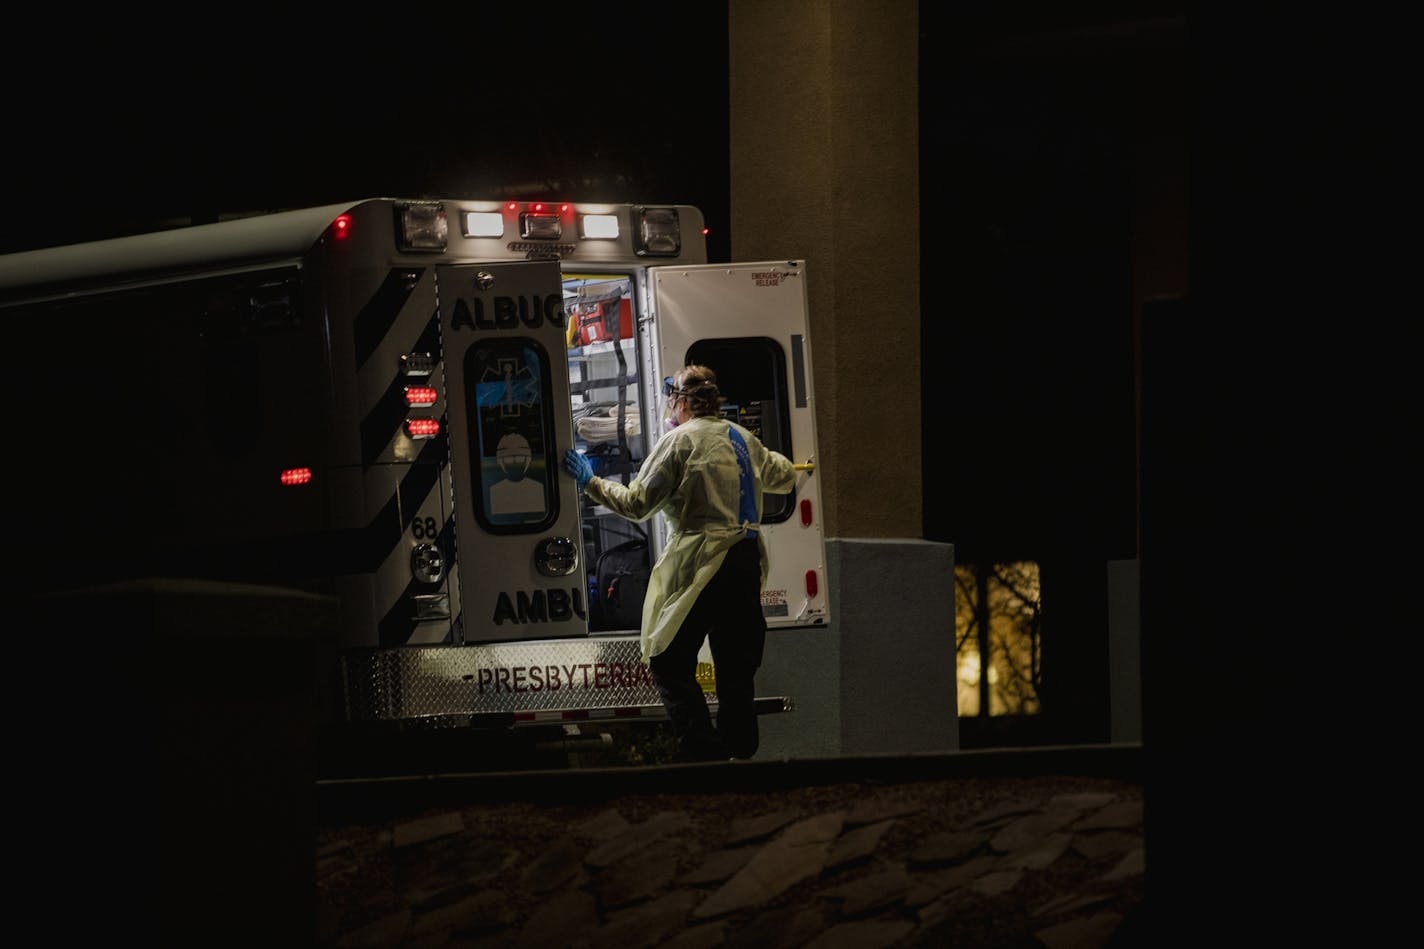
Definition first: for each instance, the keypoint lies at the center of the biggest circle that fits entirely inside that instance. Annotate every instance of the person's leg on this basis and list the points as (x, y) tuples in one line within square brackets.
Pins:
[(738, 636), (675, 674)]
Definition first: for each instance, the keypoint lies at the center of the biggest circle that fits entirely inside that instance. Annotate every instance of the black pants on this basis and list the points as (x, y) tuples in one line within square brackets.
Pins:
[(728, 614)]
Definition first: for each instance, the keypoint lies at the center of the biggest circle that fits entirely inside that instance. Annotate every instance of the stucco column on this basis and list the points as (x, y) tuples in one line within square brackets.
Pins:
[(824, 146), (824, 150)]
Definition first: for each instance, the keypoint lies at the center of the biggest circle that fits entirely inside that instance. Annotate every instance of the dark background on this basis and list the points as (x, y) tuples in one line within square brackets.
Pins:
[(132, 126), (1027, 143), (1273, 456), (1029, 115), (1027, 122)]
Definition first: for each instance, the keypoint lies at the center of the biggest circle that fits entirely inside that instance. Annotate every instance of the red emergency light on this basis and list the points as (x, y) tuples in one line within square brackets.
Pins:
[(805, 512), (812, 584), (419, 395), (422, 427), (341, 227), (294, 476)]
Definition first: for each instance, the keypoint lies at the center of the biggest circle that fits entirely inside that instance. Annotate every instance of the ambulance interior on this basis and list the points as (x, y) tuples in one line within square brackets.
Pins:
[(612, 427)]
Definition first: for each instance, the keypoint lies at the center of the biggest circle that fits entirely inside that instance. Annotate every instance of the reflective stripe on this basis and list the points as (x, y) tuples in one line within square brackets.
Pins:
[(747, 508)]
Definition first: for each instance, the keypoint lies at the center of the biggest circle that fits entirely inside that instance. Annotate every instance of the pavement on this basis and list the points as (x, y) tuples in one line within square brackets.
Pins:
[(1045, 850)]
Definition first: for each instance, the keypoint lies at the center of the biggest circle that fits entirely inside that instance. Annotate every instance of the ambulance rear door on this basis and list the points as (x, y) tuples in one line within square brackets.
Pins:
[(520, 566), (748, 322)]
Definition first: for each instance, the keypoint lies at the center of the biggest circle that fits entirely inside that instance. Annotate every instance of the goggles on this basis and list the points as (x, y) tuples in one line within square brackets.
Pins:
[(670, 389)]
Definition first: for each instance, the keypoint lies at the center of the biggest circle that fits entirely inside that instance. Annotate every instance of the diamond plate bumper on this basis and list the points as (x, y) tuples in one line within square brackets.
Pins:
[(531, 680)]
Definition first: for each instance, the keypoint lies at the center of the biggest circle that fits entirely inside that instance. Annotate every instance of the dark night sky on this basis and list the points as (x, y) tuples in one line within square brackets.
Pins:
[(130, 124), (131, 130)]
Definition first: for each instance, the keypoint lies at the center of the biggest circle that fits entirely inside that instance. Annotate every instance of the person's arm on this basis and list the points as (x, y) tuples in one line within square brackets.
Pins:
[(647, 493), (778, 475)]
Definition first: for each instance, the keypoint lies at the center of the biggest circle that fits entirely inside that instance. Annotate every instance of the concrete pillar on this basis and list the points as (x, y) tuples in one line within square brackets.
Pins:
[(824, 166), (824, 151), (879, 679)]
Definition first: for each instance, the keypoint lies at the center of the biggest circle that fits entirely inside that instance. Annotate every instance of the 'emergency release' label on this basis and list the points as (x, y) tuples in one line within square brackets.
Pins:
[(773, 603)]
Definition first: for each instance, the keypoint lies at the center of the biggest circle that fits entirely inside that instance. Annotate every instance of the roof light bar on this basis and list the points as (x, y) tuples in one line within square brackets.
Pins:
[(484, 224), (421, 226), (598, 227), (539, 225), (658, 233)]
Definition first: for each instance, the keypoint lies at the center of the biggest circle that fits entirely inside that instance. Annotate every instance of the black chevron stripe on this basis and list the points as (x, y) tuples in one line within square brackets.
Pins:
[(382, 422), (389, 411), (397, 625), (379, 314)]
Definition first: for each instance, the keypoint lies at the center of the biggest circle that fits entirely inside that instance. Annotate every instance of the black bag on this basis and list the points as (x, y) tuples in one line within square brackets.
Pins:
[(622, 573)]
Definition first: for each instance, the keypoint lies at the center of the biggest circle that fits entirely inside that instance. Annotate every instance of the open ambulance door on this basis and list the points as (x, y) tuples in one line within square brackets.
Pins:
[(748, 323), (520, 566)]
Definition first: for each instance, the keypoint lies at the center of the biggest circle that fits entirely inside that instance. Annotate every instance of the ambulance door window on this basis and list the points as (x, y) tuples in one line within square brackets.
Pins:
[(511, 435), (751, 374)]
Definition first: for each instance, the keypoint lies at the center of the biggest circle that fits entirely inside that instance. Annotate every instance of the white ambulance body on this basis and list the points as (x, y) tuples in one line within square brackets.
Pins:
[(371, 400)]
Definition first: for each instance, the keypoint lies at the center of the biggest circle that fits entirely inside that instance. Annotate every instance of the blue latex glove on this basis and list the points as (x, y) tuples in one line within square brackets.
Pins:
[(578, 466)]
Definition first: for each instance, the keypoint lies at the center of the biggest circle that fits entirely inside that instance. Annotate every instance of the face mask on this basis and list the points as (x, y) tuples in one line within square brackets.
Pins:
[(669, 415)]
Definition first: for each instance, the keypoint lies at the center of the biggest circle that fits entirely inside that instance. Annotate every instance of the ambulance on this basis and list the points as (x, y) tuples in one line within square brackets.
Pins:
[(371, 400)]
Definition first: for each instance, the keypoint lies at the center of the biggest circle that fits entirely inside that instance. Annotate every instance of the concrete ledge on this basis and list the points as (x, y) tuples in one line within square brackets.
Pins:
[(880, 679), (367, 799)]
